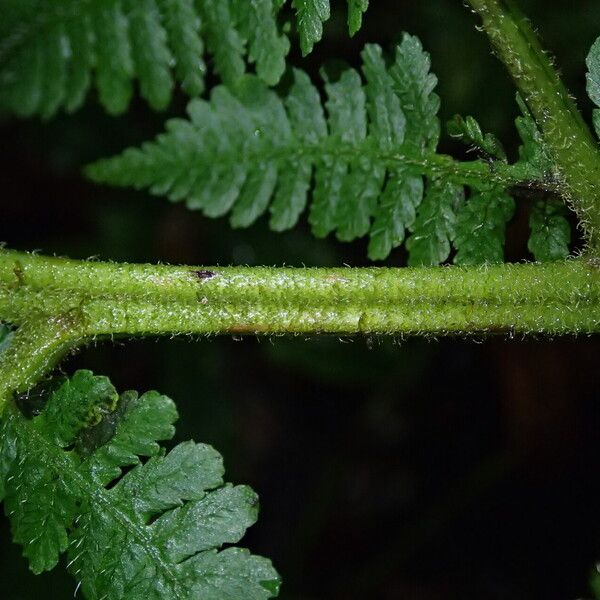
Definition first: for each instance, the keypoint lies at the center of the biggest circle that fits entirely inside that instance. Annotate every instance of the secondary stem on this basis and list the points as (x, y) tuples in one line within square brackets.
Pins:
[(35, 349), (566, 135)]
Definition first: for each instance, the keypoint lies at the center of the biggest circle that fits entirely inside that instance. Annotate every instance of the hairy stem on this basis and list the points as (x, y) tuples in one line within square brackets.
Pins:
[(35, 350), (565, 133), (111, 298), (59, 303)]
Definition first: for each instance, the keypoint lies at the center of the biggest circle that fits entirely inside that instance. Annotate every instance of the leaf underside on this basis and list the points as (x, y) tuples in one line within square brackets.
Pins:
[(152, 532), (362, 161)]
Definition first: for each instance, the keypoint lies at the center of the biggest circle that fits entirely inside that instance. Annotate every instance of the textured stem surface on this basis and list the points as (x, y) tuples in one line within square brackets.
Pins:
[(58, 303), (110, 298), (34, 351)]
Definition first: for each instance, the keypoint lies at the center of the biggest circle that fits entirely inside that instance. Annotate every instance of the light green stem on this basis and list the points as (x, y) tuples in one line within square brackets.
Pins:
[(34, 351), (565, 133), (59, 303)]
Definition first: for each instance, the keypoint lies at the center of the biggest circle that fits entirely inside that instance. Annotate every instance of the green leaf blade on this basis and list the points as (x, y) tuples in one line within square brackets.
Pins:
[(224, 516), (593, 74), (157, 531), (223, 39), (311, 14), (533, 150), (435, 225), (114, 63), (550, 231), (396, 213), (81, 44), (266, 47), (133, 430), (182, 24), (356, 9), (388, 123), (481, 228), (329, 179), (150, 52), (359, 193), (469, 131), (240, 575), (36, 500), (291, 196), (414, 83)]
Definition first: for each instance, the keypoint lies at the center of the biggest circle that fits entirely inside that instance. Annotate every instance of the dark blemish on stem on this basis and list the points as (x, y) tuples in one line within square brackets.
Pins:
[(18, 272), (203, 274)]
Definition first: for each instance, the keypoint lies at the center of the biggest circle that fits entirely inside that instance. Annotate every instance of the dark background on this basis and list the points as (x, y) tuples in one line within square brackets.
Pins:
[(387, 468)]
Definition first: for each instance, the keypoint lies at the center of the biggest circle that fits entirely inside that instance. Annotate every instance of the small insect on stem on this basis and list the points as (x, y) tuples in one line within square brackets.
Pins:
[(203, 274)]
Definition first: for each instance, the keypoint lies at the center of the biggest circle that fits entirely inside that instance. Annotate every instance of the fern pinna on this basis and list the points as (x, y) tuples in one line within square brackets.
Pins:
[(371, 153), (373, 158), (86, 476)]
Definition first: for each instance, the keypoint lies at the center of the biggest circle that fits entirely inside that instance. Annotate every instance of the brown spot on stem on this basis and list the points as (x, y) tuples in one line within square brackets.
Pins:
[(204, 274), (18, 271)]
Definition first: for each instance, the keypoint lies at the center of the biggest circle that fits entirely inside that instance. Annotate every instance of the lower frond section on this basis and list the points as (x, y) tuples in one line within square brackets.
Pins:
[(87, 476)]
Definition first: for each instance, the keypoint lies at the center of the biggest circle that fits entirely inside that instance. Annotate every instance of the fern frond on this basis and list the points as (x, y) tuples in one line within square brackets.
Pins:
[(151, 533), (367, 150), (51, 51), (311, 15), (482, 222), (248, 147)]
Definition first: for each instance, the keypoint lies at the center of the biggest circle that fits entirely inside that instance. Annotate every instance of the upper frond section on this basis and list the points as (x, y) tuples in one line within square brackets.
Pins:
[(311, 15), (155, 531), (52, 52)]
